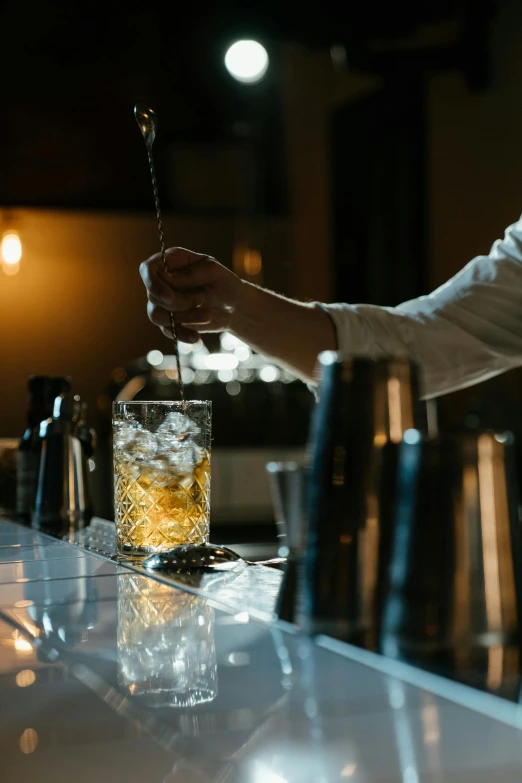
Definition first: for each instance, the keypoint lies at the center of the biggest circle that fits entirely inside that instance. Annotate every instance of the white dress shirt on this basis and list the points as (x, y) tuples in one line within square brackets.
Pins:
[(466, 331)]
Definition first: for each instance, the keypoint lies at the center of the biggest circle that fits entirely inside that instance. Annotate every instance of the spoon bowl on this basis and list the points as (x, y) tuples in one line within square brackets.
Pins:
[(188, 557), (147, 122)]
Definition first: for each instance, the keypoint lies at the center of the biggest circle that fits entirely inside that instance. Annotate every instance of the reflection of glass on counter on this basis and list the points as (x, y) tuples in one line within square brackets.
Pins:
[(166, 649)]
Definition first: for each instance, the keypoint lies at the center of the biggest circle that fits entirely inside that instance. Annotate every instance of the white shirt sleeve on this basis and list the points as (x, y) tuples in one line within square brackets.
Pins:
[(466, 331)]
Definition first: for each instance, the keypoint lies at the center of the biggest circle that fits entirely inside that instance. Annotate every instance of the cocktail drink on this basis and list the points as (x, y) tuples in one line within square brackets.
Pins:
[(161, 474)]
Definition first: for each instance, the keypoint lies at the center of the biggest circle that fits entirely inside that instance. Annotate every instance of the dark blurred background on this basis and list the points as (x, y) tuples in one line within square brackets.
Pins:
[(377, 156)]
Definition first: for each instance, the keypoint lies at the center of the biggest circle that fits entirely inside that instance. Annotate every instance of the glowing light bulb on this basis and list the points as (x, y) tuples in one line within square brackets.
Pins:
[(220, 361), (11, 252), (25, 678), (11, 248), (247, 61), (22, 645), (28, 741), (225, 376), (269, 373), (155, 358)]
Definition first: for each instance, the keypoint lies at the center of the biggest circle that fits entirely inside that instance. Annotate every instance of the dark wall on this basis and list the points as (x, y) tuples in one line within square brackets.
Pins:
[(379, 170)]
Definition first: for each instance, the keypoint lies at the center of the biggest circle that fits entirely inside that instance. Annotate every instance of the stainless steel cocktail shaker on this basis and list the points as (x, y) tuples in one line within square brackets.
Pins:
[(63, 497), (364, 408)]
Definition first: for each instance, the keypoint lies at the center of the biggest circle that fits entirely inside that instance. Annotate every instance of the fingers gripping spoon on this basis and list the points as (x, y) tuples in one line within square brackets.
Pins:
[(147, 123)]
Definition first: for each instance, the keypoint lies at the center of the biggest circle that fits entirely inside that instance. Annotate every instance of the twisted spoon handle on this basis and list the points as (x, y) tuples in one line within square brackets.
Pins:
[(164, 259)]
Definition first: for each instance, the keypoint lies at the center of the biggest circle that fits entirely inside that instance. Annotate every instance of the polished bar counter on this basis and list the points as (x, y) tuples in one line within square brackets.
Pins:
[(109, 674)]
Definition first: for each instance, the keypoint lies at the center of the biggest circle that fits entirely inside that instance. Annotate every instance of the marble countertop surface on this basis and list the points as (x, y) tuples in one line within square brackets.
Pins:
[(110, 674)]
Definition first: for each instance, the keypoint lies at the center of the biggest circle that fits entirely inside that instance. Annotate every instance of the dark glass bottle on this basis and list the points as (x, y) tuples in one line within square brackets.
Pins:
[(364, 408), (42, 391)]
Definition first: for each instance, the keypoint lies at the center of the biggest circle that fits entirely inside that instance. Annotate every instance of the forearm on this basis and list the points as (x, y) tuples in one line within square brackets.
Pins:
[(292, 333), (464, 332)]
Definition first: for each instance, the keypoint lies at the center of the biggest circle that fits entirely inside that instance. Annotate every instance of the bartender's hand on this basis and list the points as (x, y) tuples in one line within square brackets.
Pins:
[(201, 293), (207, 297)]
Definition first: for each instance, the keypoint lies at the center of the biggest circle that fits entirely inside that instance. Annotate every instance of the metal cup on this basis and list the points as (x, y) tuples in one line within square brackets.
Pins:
[(63, 495), (288, 486), (364, 408), (455, 563)]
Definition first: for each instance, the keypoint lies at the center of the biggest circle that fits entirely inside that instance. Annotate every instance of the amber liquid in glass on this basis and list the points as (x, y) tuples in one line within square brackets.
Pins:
[(157, 509)]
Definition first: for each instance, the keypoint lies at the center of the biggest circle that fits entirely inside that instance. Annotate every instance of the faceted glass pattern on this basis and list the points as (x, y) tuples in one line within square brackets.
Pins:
[(166, 648), (161, 475)]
